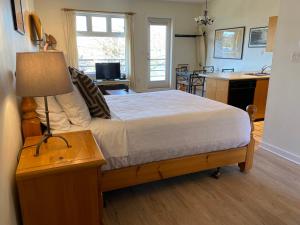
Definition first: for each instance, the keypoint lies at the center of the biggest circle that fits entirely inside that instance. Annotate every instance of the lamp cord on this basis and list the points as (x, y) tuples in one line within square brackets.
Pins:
[(20, 151)]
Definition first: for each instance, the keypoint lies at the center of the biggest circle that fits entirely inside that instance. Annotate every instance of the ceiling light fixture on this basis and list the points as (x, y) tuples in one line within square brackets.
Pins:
[(205, 19)]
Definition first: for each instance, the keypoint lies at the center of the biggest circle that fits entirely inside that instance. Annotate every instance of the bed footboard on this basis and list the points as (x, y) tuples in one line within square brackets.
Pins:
[(247, 165)]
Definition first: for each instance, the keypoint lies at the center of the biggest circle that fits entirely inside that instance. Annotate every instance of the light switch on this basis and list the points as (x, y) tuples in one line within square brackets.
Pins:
[(295, 57)]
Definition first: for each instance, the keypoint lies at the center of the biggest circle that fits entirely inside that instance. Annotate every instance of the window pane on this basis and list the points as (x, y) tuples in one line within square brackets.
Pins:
[(158, 52), (93, 50), (117, 25), (99, 24), (81, 23)]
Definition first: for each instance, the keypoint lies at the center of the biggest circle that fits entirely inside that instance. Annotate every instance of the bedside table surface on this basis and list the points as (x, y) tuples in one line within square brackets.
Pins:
[(55, 156)]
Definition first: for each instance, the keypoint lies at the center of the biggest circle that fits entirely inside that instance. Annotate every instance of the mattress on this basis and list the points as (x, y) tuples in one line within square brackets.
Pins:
[(163, 125)]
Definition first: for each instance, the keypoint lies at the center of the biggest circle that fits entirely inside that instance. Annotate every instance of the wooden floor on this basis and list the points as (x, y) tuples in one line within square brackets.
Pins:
[(268, 195), (258, 131)]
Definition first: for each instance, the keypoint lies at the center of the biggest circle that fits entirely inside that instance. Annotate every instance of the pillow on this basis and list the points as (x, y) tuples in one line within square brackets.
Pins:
[(74, 106), (58, 118), (91, 94)]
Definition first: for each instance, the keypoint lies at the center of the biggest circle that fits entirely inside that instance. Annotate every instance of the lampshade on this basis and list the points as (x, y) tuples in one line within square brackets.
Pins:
[(42, 74)]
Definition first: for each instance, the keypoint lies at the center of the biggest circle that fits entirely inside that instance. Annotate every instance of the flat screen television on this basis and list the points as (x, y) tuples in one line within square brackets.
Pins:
[(108, 71)]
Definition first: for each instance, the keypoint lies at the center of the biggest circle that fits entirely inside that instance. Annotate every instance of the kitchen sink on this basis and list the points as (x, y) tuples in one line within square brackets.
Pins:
[(258, 74)]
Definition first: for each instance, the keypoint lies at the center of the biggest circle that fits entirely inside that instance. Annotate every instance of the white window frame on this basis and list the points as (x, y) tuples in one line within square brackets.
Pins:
[(108, 33), (167, 82)]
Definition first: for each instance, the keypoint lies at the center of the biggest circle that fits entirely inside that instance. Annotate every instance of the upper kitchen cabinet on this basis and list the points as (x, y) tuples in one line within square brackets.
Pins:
[(273, 20)]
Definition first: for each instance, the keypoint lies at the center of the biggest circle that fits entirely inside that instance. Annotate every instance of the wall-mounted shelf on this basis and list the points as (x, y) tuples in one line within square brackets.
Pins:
[(187, 35)]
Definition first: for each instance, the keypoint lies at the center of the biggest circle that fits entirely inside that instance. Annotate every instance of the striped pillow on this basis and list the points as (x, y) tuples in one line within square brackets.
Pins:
[(91, 94)]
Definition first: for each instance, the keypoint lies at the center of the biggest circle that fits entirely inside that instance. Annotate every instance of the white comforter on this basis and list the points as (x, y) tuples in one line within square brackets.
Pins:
[(162, 125)]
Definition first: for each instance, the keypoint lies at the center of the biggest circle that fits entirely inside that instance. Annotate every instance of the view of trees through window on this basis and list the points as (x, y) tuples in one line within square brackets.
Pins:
[(102, 40), (158, 52)]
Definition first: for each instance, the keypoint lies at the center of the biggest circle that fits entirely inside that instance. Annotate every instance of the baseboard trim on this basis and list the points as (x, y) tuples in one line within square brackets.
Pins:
[(281, 152)]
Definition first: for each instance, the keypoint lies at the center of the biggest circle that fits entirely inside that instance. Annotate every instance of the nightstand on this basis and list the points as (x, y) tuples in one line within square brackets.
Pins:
[(62, 186)]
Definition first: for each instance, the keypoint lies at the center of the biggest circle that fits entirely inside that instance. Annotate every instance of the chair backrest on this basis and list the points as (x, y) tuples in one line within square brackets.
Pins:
[(227, 70), (182, 69), (209, 69), (195, 72), (182, 65), (196, 79)]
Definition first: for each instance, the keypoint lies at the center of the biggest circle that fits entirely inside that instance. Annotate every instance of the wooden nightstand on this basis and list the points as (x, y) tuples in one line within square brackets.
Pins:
[(62, 185)]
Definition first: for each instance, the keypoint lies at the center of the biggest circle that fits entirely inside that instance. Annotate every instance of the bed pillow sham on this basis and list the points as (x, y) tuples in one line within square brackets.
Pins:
[(91, 94), (74, 106), (57, 117)]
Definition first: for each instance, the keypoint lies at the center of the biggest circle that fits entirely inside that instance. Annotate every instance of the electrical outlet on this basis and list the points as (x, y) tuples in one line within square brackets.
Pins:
[(295, 57)]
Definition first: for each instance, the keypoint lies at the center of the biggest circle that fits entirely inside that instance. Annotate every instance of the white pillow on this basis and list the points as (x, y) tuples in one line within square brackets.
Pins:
[(58, 118), (75, 107)]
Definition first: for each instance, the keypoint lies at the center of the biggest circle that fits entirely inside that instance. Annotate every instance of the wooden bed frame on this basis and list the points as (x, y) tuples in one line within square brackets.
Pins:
[(133, 175)]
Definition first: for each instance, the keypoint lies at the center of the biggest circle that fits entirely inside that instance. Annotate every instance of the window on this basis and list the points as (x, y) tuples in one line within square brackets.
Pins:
[(99, 24), (159, 52), (117, 25), (81, 23), (100, 39)]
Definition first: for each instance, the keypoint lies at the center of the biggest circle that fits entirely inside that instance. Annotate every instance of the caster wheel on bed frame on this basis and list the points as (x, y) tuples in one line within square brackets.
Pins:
[(217, 174)]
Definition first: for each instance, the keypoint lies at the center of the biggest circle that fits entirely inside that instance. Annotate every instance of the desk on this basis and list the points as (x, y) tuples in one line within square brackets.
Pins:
[(105, 85)]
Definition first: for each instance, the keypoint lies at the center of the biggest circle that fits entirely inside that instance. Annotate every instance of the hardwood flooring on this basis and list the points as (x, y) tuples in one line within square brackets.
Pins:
[(268, 195), (258, 131)]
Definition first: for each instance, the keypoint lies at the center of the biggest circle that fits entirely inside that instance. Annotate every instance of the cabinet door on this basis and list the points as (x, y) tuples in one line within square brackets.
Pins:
[(260, 97), (217, 90), (272, 33), (70, 197), (222, 91), (211, 86)]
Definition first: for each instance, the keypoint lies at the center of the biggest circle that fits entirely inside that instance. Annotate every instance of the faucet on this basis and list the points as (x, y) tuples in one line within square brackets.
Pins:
[(264, 68)]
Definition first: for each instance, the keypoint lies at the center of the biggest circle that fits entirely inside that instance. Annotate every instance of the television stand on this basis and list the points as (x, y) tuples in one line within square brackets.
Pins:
[(116, 84)]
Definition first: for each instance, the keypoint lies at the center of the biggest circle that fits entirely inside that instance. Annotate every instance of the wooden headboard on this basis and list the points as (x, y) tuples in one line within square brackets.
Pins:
[(31, 124)]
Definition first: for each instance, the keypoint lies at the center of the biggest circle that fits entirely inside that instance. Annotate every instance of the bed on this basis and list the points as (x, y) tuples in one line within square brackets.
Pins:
[(157, 135)]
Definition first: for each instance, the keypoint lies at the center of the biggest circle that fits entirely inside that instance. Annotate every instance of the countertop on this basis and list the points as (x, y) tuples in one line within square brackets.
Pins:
[(234, 76)]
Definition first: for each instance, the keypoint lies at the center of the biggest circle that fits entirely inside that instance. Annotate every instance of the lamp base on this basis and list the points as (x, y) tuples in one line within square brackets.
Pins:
[(45, 138)]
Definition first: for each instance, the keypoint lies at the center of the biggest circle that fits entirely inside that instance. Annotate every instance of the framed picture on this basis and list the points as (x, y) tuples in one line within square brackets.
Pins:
[(18, 16), (258, 37), (229, 43)]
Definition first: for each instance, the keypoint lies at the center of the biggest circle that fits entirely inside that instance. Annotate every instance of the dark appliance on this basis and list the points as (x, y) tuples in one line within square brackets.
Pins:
[(241, 93)]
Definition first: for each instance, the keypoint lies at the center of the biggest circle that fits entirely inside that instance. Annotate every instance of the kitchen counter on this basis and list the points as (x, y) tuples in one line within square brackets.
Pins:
[(234, 76), (239, 90)]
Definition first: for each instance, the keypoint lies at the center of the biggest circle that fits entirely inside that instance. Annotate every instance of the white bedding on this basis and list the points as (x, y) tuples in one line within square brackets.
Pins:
[(161, 125)]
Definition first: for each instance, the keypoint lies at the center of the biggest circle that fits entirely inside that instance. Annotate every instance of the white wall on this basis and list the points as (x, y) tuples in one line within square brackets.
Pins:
[(182, 15), (282, 124), (10, 133), (237, 13)]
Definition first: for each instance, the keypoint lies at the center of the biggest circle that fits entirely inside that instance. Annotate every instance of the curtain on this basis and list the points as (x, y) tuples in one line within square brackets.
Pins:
[(200, 48), (130, 51), (70, 38)]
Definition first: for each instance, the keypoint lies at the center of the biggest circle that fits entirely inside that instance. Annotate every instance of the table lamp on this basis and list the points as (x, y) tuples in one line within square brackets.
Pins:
[(42, 74)]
